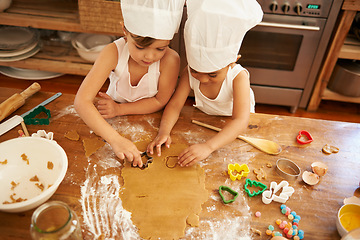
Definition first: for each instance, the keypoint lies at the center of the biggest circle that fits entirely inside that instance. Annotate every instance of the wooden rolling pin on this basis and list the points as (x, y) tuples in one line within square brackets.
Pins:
[(264, 145), (11, 104)]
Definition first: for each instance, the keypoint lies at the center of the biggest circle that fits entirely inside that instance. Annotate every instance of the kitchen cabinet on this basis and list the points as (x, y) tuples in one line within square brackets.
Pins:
[(90, 16), (342, 45)]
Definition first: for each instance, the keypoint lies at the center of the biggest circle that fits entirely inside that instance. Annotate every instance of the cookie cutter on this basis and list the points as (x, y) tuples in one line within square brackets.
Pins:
[(229, 190), (284, 166), (149, 160), (251, 183), (43, 134), (240, 170), (270, 195), (300, 137), (31, 119)]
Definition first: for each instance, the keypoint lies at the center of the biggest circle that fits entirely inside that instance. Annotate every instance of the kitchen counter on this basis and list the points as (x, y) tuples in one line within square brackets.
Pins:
[(93, 177)]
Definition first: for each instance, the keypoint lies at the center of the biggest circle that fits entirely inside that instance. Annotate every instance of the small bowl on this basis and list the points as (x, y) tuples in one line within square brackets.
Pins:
[(47, 161), (89, 45), (348, 218)]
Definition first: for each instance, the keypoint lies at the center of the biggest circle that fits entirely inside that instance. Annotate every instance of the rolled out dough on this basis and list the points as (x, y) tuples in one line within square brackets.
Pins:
[(164, 200)]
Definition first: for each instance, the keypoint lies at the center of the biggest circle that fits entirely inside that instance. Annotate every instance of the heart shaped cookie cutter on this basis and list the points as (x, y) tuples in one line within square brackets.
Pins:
[(304, 137), (237, 171), (270, 195)]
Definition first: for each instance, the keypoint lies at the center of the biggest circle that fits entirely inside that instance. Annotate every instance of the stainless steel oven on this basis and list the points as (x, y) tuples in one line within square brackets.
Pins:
[(284, 52)]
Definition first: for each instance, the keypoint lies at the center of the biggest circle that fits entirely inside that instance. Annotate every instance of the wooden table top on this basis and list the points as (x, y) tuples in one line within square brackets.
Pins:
[(86, 177)]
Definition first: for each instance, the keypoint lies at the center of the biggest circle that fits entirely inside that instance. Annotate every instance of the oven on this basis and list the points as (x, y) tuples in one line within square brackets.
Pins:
[(284, 52)]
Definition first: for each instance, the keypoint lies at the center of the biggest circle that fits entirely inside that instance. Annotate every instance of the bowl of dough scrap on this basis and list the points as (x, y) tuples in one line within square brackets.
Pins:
[(31, 170)]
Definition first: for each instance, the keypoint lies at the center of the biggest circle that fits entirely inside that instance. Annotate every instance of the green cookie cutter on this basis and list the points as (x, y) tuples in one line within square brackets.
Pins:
[(232, 192), (31, 120), (249, 182)]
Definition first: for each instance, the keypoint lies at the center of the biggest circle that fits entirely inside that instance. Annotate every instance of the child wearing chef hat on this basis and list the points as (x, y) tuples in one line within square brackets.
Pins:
[(142, 69), (213, 35)]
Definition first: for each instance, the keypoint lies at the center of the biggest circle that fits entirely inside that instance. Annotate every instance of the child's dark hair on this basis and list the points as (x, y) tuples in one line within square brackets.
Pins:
[(142, 41)]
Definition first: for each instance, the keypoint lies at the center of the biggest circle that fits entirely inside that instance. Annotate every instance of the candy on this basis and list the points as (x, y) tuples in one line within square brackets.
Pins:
[(282, 206), (271, 227), (283, 211), (291, 217), (277, 234), (296, 238), (268, 232), (298, 217), (293, 213), (278, 221), (286, 230), (282, 226), (258, 214)]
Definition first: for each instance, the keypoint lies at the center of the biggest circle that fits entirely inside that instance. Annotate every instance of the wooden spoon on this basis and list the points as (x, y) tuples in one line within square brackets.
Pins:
[(264, 145)]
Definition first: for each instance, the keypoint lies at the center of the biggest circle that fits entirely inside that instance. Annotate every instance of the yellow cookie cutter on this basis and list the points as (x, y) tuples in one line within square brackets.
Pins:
[(237, 171)]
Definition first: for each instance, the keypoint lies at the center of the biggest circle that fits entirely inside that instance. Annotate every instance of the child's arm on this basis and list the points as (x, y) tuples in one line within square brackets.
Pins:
[(84, 105), (239, 122), (171, 114), (169, 69)]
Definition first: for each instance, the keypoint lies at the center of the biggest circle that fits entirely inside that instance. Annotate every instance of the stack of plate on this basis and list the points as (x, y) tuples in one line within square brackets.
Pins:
[(18, 43)]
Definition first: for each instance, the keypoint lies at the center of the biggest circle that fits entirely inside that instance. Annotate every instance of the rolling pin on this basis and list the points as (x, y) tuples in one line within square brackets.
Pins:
[(11, 104)]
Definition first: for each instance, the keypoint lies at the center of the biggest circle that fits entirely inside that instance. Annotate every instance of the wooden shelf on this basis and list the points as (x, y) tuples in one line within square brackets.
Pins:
[(55, 14), (351, 48), (330, 95), (342, 45), (62, 59)]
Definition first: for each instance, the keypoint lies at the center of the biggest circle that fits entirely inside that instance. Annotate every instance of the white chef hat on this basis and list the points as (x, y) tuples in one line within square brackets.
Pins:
[(215, 29), (159, 19)]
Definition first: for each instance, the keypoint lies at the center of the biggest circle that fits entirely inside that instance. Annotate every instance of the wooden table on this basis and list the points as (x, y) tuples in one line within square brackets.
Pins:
[(317, 205)]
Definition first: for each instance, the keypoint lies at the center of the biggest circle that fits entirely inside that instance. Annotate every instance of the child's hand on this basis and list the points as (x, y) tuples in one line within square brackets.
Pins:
[(193, 154), (157, 142), (106, 106), (126, 149)]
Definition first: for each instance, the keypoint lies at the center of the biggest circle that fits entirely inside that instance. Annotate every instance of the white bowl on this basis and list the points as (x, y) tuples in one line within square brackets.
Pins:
[(89, 45), (39, 152), (348, 218)]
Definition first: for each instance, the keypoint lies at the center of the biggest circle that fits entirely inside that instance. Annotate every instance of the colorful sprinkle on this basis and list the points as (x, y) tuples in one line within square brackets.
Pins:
[(258, 214)]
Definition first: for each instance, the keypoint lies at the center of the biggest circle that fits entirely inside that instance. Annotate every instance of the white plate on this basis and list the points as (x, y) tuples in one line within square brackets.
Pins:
[(38, 151), (27, 74), (12, 38), (31, 53), (14, 53)]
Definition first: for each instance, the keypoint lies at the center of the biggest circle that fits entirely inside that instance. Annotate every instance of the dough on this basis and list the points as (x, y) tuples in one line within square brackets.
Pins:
[(72, 135), (164, 199), (91, 145)]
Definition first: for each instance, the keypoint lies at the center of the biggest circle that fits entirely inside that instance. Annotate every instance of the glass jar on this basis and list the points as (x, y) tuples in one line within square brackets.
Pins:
[(55, 220)]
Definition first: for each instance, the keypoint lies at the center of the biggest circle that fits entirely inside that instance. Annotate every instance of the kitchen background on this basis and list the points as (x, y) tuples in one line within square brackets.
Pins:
[(291, 55)]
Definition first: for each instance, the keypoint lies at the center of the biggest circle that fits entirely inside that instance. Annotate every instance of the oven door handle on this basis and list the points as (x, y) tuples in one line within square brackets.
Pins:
[(289, 26)]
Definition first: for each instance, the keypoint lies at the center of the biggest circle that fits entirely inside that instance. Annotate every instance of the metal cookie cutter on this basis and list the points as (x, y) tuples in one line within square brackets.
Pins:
[(270, 195), (304, 137), (287, 169), (237, 171), (149, 160)]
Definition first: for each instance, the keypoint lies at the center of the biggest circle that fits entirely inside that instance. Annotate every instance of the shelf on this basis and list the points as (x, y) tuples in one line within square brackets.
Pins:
[(54, 59), (55, 15), (351, 48), (330, 95)]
